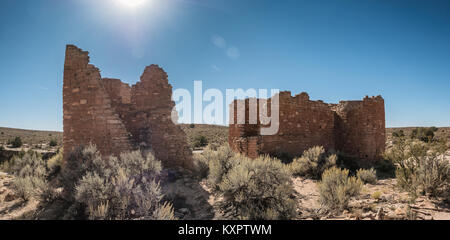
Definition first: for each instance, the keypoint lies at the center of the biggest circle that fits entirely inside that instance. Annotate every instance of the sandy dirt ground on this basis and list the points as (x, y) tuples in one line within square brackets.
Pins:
[(379, 201)]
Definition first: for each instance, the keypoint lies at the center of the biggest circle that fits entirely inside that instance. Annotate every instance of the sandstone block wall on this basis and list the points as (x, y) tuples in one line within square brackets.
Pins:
[(117, 117), (356, 128)]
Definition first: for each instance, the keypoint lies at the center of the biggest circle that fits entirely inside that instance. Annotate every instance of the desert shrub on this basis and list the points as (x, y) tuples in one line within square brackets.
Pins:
[(117, 188), (367, 175), (30, 176), (336, 188), (258, 189), (424, 134), (385, 168), (200, 141), (53, 143), (398, 134), (201, 166), (75, 168), (54, 163), (191, 125), (376, 195), (2, 148), (16, 143), (421, 167), (349, 162), (219, 162), (313, 163)]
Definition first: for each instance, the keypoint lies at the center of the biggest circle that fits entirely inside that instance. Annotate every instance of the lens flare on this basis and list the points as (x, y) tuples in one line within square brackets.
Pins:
[(132, 3)]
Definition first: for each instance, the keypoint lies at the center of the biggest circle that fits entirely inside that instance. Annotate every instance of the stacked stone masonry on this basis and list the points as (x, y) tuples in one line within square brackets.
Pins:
[(354, 128), (117, 117)]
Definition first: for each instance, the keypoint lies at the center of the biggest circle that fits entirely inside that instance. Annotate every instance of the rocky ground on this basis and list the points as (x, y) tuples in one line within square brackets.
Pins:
[(11, 206), (382, 201), (192, 199)]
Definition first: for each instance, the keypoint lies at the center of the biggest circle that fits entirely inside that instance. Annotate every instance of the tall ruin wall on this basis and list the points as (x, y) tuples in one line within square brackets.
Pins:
[(356, 128), (117, 117)]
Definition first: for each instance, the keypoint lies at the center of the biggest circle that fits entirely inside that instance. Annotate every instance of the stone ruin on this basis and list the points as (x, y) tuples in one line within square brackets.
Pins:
[(117, 117), (355, 128)]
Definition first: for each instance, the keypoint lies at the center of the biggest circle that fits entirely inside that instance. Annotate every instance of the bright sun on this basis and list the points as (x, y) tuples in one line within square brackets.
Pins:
[(132, 3)]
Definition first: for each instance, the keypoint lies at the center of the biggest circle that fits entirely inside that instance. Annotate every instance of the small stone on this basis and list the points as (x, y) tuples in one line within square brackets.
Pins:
[(10, 197), (184, 211), (399, 212), (380, 214)]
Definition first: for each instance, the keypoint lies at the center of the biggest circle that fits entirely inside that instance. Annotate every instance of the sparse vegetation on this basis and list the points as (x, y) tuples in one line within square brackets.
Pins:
[(399, 133), (120, 188), (219, 162), (32, 138), (16, 143), (421, 167), (376, 195), (201, 165), (214, 134), (30, 176), (53, 143), (336, 188), (424, 134), (313, 163), (200, 141), (367, 175), (55, 162)]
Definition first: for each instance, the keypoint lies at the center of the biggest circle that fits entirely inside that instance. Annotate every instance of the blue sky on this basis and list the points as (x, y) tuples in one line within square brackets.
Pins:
[(334, 50)]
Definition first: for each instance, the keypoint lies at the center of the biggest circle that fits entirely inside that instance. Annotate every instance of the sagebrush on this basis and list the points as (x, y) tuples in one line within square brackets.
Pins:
[(336, 188), (313, 163), (30, 176), (259, 189), (367, 175), (421, 167), (116, 188)]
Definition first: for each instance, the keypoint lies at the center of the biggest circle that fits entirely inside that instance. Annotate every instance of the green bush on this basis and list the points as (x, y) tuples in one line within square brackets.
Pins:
[(259, 189), (200, 141), (117, 188), (313, 163), (53, 143), (16, 143), (336, 188), (421, 167), (367, 176)]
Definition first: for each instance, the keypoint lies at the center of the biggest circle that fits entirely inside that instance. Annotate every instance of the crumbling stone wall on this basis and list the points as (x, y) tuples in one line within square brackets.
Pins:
[(117, 117), (356, 128)]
